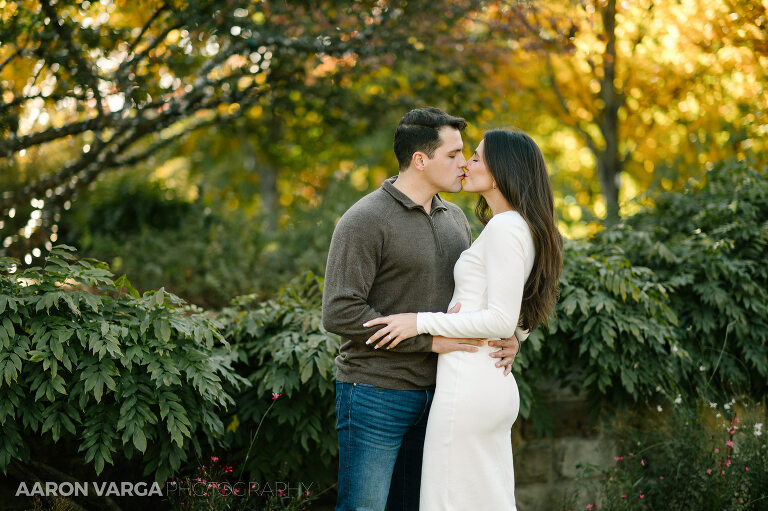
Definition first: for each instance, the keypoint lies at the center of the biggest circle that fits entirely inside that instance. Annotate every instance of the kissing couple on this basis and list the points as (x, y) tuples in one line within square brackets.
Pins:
[(430, 321)]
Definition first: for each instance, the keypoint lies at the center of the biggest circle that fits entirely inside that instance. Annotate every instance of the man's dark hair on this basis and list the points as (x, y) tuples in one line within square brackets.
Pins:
[(419, 131)]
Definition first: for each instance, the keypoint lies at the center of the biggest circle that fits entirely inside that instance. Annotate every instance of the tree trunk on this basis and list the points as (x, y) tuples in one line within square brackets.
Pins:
[(609, 164)]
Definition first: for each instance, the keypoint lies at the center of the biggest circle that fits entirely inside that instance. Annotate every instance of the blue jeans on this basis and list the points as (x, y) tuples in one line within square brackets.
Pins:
[(381, 439)]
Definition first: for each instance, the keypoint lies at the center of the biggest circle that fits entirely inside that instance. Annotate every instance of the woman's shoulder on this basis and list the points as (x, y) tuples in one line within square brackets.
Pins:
[(507, 220), (509, 223)]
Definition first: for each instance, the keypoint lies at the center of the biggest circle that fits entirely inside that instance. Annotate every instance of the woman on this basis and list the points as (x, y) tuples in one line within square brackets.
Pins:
[(508, 277)]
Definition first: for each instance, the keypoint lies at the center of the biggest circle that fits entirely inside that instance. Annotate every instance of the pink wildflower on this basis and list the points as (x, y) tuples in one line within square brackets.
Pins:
[(736, 420), (590, 506), (631, 454), (275, 395), (642, 496), (624, 496), (618, 458), (709, 471), (214, 459), (746, 469), (729, 443), (642, 462)]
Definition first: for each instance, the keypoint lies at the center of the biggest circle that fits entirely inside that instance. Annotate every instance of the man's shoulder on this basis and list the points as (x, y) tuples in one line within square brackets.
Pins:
[(372, 207)]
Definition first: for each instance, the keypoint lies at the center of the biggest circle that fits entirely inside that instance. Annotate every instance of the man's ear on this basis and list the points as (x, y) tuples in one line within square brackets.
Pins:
[(418, 159)]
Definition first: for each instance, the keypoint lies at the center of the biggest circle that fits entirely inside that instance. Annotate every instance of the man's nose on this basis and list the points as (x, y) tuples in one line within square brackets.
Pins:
[(462, 161)]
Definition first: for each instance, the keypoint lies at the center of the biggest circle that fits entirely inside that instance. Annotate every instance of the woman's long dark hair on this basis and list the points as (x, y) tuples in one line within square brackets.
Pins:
[(517, 166)]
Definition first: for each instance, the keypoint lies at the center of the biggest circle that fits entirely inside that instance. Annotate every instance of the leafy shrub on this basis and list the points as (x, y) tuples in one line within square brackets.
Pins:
[(86, 360), (711, 244), (284, 351), (673, 299), (611, 335)]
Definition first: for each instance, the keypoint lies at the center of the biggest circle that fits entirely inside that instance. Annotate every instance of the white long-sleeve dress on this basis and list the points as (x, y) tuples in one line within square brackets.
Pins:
[(467, 450)]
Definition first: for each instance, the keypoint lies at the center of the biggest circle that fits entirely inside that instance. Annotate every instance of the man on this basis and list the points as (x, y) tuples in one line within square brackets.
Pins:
[(394, 251)]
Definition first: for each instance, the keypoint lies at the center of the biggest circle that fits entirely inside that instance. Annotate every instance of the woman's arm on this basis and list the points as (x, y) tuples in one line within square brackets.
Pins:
[(507, 248), (507, 251)]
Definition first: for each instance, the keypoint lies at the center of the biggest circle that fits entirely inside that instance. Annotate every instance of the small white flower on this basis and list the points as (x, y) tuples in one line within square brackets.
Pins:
[(727, 406), (702, 368), (718, 415), (678, 399), (658, 389), (674, 349), (713, 405), (659, 408)]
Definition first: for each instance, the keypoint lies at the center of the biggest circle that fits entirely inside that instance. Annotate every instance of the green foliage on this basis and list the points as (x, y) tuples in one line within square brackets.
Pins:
[(706, 458), (711, 244), (285, 353), (673, 299), (86, 359), (611, 334), (205, 254), (123, 207)]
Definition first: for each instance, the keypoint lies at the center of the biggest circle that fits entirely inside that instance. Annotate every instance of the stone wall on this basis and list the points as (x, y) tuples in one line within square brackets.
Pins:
[(546, 468)]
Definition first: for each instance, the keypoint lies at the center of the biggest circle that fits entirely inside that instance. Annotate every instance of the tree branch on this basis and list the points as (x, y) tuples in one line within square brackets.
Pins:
[(132, 47), (76, 52), (574, 122), (13, 144)]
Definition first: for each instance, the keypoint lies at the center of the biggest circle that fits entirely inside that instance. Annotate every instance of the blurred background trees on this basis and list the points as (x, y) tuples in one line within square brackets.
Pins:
[(210, 146)]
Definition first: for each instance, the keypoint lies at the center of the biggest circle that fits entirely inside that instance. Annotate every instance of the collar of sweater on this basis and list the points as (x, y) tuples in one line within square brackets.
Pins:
[(388, 186)]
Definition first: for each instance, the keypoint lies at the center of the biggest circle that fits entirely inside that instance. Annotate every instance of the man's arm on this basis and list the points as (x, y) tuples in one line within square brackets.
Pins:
[(353, 262)]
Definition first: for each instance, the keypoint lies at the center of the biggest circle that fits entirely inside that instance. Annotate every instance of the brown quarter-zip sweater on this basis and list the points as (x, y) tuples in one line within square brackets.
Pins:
[(388, 256)]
